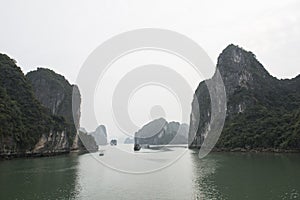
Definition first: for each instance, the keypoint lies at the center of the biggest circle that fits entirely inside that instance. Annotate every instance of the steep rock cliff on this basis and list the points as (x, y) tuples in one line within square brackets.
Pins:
[(24, 120), (86, 142), (54, 92), (262, 111)]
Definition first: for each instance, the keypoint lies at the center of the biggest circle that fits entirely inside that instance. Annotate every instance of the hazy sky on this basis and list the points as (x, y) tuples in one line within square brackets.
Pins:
[(61, 34)]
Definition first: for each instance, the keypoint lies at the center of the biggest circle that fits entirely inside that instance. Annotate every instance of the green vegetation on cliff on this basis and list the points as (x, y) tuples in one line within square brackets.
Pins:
[(23, 119), (55, 93), (262, 111), (259, 127)]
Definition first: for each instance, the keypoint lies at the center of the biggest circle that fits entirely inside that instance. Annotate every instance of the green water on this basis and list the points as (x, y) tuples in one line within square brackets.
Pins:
[(218, 176)]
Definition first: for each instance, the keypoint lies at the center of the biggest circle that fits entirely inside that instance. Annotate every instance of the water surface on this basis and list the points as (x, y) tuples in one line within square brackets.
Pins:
[(218, 176)]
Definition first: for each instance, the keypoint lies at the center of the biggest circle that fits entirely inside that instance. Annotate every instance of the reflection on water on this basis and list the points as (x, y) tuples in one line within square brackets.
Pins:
[(173, 182), (247, 176), (203, 171), (218, 176), (41, 178)]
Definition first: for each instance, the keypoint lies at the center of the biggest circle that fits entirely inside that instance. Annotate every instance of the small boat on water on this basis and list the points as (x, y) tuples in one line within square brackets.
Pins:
[(137, 147), (101, 153), (113, 142)]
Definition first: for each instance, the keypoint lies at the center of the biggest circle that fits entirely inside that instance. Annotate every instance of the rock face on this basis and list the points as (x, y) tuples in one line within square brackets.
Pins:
[(257, 104), (129, 140), (36, 113), (86, 142), (55, 93), (100, 135), (56, 142), (26, 126), (160, 132)]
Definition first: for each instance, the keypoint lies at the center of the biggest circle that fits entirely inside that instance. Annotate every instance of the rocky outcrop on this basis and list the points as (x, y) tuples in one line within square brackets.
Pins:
[(55, 93), (26, 127), (63, 100), (100, 135), (161, 132), (86, 142), (52, 142), (36, 113), (256, 102)]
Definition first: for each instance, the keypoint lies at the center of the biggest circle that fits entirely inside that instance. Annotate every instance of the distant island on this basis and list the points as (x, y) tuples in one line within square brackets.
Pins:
[(100, 135), (161, 132), (129, 140)]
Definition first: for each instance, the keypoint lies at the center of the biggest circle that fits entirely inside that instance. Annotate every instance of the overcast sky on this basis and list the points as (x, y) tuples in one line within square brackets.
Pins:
[(61, 34)]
